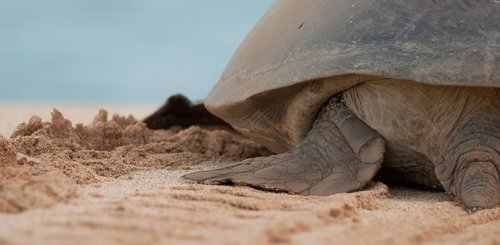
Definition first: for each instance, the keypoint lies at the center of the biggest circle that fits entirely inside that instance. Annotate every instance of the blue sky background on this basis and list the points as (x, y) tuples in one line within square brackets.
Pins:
[(124, 51)]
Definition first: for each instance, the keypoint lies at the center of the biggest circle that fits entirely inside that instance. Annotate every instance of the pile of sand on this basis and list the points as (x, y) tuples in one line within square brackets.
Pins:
[(44, 162)]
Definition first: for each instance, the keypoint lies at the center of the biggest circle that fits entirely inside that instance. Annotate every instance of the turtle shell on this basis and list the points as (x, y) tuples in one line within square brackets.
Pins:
[(304, 51)]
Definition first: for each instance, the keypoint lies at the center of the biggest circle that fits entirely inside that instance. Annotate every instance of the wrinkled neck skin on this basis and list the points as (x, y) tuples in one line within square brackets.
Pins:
[(452, 128)]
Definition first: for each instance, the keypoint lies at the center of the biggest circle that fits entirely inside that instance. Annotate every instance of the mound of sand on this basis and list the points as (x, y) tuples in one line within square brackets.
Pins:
[(44, 162)]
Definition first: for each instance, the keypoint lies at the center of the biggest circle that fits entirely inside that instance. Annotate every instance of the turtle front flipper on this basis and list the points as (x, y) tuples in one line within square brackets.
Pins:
[(340, 154)]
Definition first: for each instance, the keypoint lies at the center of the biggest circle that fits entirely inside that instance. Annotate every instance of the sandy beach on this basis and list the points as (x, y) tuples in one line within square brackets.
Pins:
[(110, 180)]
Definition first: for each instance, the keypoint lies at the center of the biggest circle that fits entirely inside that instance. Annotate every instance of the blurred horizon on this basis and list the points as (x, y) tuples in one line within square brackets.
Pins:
[(126, 51)]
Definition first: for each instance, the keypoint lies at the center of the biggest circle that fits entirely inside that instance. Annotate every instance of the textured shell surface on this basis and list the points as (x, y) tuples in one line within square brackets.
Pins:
[(304, 51)]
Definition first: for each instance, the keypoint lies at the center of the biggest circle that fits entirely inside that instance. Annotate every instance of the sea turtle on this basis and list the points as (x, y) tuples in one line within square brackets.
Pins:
[(342, 88)]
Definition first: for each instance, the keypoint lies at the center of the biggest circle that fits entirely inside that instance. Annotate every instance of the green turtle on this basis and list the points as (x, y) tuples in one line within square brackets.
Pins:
[(342, 90)]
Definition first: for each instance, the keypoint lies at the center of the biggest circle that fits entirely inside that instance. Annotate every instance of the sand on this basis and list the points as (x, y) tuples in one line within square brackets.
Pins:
[(14, 113), (114, 181)]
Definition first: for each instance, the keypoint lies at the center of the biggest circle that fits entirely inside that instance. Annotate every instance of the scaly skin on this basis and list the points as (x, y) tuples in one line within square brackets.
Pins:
[(469, 166), (339, 154)]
